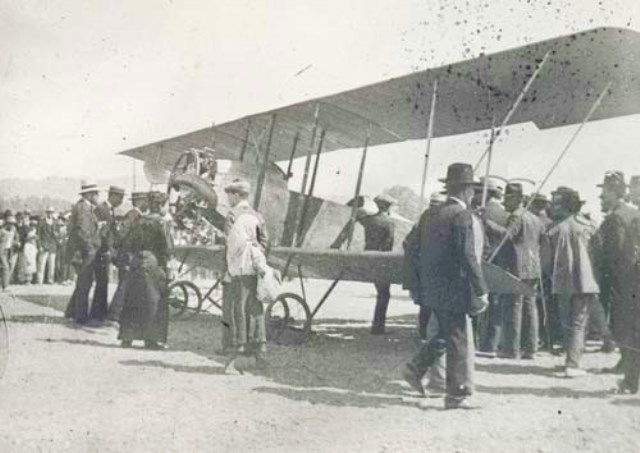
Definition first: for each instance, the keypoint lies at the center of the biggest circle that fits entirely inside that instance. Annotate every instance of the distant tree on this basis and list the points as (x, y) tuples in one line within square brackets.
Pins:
[(408, 201)]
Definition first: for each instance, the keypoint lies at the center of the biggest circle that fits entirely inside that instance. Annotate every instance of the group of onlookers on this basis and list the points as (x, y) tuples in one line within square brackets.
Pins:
[(574, 278), (33, 248)]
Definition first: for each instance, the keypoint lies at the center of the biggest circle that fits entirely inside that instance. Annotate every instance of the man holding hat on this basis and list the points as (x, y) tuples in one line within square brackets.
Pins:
[(452, 284), (246, 242), (8, 243), (47, 247), (105, 214), (379, 232), (617, 276), (85, 240)]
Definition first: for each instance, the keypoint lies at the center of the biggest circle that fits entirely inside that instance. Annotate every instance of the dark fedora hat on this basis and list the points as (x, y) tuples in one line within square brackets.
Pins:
[(514, 189), (459, 173), (614, 180)]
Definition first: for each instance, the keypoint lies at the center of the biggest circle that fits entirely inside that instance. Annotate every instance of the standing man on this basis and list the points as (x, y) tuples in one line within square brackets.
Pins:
[(495, 222), (452, 284), (48, 247), (8, 243), (85, 239), (616, 263), (140, 204), (246, 244), (379, 231), (105, 214), (572, 280), (525, 233)]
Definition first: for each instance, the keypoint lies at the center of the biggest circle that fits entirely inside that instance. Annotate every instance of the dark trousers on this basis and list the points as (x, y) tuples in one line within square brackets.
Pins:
[(574, 312), (492, 333), (101, 266), (522, 308), (383, 290), (119, 296), (242, 312), (630, 367), (78, 307), (452, 339)]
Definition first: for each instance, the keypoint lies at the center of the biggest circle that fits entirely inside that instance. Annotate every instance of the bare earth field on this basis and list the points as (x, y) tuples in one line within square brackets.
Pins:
[(70, 389)]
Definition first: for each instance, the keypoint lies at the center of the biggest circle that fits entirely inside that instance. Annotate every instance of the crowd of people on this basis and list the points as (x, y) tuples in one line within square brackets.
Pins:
[(573, 278), (33, 248), (577, 278)]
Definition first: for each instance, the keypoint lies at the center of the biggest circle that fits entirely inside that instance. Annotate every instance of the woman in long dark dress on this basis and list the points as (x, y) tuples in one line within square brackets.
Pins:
[(145, 312)]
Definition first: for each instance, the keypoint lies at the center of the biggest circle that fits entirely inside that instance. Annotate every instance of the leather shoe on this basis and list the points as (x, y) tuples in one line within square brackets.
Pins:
[(412, 378), (457, 402)]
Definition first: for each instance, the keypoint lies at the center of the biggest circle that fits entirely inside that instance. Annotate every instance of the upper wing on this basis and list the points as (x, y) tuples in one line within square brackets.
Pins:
[(470, 94)]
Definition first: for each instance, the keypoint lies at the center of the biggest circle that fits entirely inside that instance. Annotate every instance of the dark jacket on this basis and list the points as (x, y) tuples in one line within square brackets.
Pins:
[(105, 213), (83, 227), (378, 232), (48, 236), (449, 272), (496, 218), (617, 270)]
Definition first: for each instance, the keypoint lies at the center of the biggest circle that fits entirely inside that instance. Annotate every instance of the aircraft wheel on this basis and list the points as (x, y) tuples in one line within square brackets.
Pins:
[(288, 319), (184, 297)]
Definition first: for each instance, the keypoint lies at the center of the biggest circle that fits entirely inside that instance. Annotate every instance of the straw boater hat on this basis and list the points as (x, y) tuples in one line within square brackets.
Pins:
[(88, 187), (117, 190), (437, 198), (238, 186), (50, 209), (385, 199), (495, 185)]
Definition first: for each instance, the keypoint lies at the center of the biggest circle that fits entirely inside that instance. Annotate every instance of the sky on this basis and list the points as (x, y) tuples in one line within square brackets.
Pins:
[(81, 81)]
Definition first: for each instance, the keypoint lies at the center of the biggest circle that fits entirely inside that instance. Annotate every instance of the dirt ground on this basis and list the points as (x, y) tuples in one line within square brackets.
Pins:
[(69, 389)]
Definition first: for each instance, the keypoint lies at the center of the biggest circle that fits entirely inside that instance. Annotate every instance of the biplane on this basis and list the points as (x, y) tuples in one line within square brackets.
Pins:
[(586, 76)]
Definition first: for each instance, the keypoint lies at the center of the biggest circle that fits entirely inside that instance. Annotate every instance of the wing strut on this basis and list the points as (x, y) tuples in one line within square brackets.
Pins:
[(354, 208), (246, 140), (265, 162), (515, 105), (595, 105), (488, 169), (293, 153), (429, 136)]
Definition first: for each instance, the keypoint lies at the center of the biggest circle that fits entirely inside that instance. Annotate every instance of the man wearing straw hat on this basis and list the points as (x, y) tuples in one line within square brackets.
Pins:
[(452, 284), (85, 240)]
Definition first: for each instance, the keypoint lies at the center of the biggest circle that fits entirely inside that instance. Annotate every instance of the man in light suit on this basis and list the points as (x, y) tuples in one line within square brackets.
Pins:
[(85, 240), (452, 284)]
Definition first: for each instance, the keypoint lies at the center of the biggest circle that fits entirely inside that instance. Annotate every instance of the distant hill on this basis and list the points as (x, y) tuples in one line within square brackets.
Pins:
[(37, 194)]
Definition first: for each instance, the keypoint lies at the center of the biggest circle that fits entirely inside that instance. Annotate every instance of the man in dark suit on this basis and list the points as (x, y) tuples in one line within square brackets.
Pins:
[(85, 240), (379, 231), (47, 247), (616, 268), (105, 214), (452, 284)]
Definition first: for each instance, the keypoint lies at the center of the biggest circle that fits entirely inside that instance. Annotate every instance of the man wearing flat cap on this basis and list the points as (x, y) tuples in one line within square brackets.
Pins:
[(246, 242), (105, 213), (85, 241), (616, 270), (379, 231), (452, 285)]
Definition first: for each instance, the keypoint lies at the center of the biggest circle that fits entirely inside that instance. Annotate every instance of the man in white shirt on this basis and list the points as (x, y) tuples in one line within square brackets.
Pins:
[(246, 243)]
